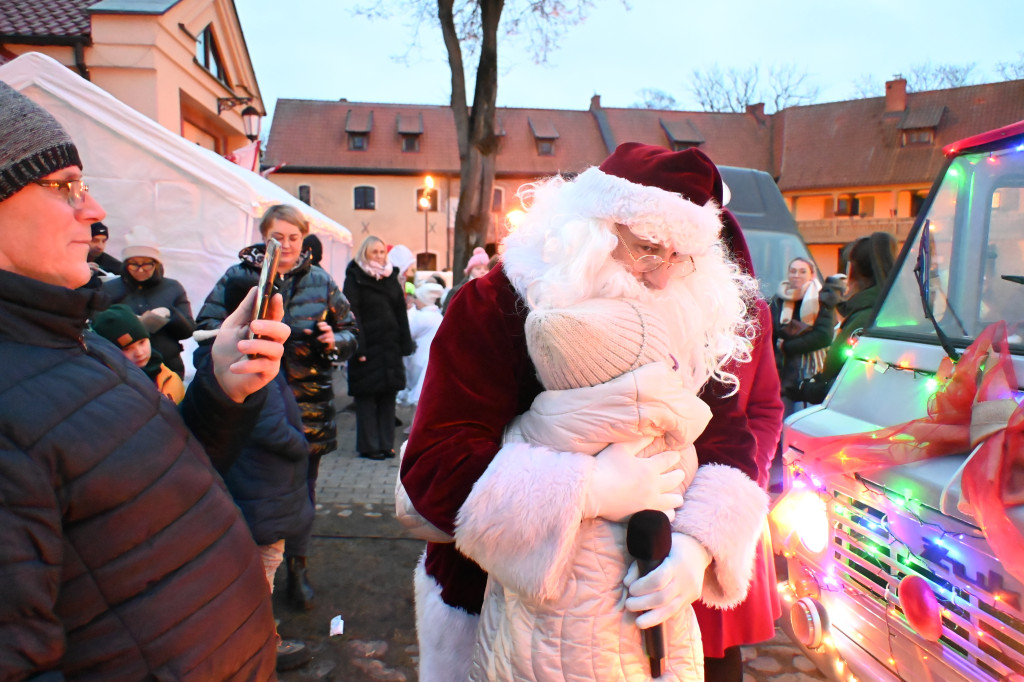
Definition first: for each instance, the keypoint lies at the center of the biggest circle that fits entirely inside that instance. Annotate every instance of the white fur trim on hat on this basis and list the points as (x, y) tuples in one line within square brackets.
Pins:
[(649, 212)]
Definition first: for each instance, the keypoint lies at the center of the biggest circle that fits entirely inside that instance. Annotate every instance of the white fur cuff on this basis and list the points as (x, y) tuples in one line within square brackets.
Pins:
[(725, 511), (521, 519), (446, 634)]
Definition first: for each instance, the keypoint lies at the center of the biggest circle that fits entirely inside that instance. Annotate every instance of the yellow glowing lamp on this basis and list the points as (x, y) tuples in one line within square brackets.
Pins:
[(800, 513)]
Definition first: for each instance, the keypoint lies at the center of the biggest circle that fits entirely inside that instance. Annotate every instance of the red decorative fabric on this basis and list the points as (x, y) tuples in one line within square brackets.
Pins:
[(992, 480)]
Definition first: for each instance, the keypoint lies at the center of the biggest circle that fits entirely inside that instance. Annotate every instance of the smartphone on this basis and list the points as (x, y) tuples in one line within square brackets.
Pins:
[(265, 289)]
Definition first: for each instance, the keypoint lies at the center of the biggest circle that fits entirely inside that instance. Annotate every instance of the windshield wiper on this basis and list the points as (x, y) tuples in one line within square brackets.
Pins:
[(922, 272)]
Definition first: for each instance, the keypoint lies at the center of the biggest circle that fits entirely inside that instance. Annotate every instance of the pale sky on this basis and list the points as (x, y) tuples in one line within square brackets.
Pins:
[(316, 49)]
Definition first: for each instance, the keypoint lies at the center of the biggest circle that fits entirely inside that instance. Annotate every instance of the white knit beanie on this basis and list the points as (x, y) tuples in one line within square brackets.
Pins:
[(594, 341)]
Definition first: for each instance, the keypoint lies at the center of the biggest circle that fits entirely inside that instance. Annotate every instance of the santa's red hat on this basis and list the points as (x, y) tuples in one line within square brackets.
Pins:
[(661, 195)]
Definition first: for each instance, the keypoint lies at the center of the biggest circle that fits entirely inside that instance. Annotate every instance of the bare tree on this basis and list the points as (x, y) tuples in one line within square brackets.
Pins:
[(927, 76), (736, 89), (788, 86), (656, 99), (470, 29), (729, 90), (1011, 71), (867, 86)]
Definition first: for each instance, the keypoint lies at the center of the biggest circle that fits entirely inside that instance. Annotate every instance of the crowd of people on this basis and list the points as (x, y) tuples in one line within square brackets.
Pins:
[(616, 358)]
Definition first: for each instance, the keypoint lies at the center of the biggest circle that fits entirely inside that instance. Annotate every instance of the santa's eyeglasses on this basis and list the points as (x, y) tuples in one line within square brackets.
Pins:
[(651, 262)]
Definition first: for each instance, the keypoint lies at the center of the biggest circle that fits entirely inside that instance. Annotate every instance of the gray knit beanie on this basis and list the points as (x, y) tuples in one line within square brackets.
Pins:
[(32, 144), (593, 342)]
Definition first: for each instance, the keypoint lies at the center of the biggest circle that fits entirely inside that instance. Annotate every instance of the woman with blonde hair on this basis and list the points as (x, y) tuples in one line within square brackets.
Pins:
[(376, 372)]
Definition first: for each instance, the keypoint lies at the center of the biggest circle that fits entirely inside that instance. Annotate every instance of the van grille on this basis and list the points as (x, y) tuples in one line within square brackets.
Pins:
[(984, 629)]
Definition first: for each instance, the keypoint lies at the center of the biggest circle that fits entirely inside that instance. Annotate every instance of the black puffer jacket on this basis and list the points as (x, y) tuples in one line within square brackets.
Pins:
[(156, 292), (379, 307), (124, 557), (310, 295)]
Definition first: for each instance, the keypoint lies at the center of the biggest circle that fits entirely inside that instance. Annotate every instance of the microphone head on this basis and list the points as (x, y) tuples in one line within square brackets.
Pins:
[(649, 535)]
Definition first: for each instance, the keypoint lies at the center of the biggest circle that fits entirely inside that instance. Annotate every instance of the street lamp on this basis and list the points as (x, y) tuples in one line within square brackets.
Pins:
[(251, 121), (425, 202)]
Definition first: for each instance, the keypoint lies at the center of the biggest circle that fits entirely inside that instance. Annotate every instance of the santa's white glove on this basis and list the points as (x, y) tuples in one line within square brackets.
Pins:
[(623, 484), (672, 586)]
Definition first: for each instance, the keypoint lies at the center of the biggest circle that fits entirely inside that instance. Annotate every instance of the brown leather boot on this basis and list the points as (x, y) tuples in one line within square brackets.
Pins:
[(299, 592)]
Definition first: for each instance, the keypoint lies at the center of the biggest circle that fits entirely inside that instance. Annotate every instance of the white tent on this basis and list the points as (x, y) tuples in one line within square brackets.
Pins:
[(201, 208)]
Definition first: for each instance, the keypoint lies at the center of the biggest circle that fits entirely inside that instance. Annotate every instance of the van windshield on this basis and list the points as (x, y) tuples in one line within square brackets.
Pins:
[(976, 228)]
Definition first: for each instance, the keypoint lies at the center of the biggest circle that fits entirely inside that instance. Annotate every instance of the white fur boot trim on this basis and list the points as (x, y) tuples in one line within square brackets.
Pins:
[(446, 634)]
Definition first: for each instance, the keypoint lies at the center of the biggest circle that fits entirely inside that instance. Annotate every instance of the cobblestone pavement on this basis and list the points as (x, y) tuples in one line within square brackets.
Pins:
[(355, 504)]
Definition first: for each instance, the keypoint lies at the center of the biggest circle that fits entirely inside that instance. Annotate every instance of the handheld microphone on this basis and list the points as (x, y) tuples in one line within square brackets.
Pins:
[(649, 539)]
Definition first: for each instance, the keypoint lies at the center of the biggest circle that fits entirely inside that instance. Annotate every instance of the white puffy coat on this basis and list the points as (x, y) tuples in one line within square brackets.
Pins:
[(564, 618)]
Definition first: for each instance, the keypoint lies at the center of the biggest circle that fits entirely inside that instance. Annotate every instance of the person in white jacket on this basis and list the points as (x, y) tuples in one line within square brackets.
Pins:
[(424, 319), (609, 378)]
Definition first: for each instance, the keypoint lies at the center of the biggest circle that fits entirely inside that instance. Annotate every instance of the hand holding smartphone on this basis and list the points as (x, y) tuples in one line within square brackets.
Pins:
[(265, 288)]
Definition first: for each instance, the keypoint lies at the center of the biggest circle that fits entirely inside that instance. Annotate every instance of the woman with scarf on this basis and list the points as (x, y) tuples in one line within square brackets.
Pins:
[(376, 372), (802, 326)]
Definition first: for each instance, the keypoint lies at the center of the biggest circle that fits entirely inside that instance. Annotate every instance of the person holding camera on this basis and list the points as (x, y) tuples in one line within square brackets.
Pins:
[(322, 331), (803, 323), (871, 259)]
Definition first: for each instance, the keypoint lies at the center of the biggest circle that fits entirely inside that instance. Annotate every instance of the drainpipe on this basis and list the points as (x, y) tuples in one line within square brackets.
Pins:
[(79, 49)]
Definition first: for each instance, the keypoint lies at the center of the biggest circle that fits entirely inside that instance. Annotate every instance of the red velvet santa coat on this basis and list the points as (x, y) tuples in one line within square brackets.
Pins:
[(759, 397), (479, 378)]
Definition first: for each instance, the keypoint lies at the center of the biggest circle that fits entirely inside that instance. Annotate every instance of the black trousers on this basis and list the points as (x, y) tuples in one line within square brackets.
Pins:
[(375, 423)]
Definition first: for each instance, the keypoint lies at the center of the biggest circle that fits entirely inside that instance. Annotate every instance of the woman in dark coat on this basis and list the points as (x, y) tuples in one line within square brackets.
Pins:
[(323, 330), (376, 372), (160, 301)]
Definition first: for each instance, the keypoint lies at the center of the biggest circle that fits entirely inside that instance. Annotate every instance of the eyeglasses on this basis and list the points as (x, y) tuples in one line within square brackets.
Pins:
[(651, 262), (74, 191), (145, 265)]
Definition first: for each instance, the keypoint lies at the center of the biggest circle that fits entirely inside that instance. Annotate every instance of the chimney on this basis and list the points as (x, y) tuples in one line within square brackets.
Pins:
[(595, 102), (896, 95), (756, 110)]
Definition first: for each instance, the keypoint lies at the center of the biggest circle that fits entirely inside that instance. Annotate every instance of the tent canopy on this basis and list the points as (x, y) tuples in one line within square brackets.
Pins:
[(199, 208)]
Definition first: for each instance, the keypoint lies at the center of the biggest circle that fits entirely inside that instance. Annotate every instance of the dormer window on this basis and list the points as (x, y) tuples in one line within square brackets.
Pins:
[(918, 125), (208, 55), (682, 134), (358, 124), (918, 136), (358, 142), (544, 135), (410, 129)]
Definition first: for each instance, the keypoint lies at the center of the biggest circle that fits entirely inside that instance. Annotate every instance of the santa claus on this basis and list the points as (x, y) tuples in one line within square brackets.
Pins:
[(643, 226)]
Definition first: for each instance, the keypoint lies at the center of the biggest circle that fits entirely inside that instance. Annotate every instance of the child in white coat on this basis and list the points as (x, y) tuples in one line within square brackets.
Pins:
[(609, 378)]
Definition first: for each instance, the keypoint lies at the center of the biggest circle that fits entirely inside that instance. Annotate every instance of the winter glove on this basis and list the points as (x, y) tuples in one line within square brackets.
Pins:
[(154, 320), (672, 586), (832, 292), (623, 483)]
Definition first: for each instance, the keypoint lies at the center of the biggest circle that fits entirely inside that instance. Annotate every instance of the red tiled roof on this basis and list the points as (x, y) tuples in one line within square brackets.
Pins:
[(856, 143), (309, 134), (730, 139), (840, 144), (44, 18)]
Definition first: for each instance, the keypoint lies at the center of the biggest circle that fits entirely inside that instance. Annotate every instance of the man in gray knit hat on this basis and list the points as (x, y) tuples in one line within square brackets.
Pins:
[(124, 557)]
